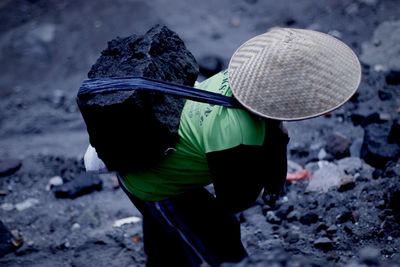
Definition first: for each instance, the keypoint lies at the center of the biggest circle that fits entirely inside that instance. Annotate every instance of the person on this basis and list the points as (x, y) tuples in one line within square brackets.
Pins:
[(282, 75)]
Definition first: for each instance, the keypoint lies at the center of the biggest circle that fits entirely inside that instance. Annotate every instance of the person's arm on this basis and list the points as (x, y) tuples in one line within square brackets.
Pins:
[(240, 173)]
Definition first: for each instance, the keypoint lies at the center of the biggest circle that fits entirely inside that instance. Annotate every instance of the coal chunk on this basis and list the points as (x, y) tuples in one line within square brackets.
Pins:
[(338, 145), (309, 218), (394, 134), (85, 183), (376, 149), (132, 130), (9, 166), (393, 77), (323, 243)]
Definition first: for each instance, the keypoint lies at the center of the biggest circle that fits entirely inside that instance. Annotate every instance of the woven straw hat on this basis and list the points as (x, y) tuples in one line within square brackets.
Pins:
[(293, 74)]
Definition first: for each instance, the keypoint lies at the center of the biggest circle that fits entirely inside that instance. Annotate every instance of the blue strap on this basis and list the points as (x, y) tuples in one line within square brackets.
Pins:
[(106, 85)]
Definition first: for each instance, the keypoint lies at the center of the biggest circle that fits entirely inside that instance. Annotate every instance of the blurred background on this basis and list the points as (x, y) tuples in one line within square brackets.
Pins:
[(46, 50)]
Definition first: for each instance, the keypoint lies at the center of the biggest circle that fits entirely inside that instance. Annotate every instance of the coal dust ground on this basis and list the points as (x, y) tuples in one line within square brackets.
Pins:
[(346, 214)]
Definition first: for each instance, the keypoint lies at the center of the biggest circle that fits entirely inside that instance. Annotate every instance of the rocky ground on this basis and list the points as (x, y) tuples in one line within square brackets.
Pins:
[(52, 213)]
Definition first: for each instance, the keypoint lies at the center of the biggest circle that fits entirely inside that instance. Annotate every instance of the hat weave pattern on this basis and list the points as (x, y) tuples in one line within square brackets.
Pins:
[(293, 74)]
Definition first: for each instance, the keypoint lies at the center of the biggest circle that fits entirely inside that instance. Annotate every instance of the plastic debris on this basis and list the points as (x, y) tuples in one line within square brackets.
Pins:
[(55, 181), (298, 175), (133, 219)]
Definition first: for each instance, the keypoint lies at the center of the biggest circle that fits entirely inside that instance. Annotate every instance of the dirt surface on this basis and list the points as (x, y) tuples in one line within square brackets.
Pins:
[(47, 48)]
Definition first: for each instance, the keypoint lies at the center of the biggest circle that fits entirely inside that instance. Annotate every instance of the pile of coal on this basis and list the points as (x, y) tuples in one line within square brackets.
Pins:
[(132, 130)]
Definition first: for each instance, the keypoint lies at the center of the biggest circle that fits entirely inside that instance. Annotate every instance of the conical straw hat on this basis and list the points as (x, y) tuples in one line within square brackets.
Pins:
[(293, 74)]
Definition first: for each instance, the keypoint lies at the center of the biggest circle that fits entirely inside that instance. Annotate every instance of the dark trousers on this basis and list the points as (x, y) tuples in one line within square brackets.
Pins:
[(188, 230)]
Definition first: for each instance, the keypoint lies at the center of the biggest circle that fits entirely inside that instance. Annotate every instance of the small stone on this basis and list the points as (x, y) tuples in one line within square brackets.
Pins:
[(393, 77), (321, 227), (322, 154), (344, 217), (272, 218), (85, 183), (54, 181), (332, 229), (346, 183), (338, 145), (384, 95), (75, 226), (309, 218), (293, 216), (292, 237), (26, 204), (376, 150), (9, 166), (348, 229), (323, 243)]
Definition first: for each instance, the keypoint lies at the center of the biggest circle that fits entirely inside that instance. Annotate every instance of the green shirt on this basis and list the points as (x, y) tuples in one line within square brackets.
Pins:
[(203, 128)]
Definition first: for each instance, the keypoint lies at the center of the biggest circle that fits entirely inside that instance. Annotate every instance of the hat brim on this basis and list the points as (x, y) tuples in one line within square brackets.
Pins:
[(293, 74)]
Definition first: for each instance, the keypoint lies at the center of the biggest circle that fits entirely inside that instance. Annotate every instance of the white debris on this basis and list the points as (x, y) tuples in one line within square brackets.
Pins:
[(54, 181), (380, 68), (322, 154), (75, 226), (26, 204), (133, 219), (327, 176), (7, 206), (336, 34), (92, 161)]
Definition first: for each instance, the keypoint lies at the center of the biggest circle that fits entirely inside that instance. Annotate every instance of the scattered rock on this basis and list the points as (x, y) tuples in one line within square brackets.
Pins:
[(344, 217), (26, 204), (360, 118), (293, 216), (384, 95), (9, 166), (376, 150), (338, 145), (323, 243), (392, 169), (332, 229), (83, 184), (346, 183), (292, 237), (54, 181), (272, 218), (309, 218), (393, 77)]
